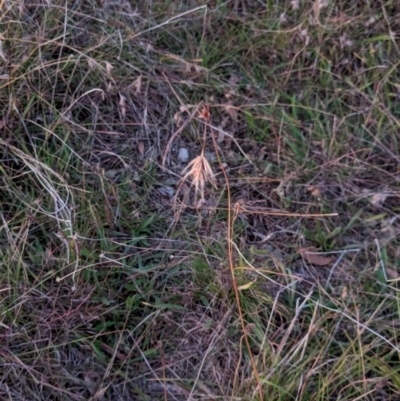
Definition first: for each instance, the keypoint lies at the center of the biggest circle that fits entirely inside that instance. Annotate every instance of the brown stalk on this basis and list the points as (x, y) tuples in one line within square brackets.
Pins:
[(206, 113)]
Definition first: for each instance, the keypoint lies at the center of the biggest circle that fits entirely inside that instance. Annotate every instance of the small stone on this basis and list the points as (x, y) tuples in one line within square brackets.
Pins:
[(183, 155)]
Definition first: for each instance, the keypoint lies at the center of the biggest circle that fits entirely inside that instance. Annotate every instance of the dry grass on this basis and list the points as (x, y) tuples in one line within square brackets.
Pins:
[(200, 171), (106, 293)]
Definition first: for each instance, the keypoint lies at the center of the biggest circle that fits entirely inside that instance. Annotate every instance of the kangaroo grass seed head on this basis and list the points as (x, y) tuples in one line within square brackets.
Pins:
[(200, 171), (204, 113)]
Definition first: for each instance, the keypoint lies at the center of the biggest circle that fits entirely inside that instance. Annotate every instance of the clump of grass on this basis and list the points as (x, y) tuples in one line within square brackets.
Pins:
[(199, 169)]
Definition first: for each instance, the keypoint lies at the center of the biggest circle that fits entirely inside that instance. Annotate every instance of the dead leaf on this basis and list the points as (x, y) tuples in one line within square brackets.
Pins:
[(391, 273), (245, 286), (315, 192), (232, 112), (149, 48), (122, 104), (109, 67), (233, 80), (115, 23), (178, 119), (344, 294), (378, 199), (311, 255), (141, 148), (186, 195), (2, 123), (137, 84)]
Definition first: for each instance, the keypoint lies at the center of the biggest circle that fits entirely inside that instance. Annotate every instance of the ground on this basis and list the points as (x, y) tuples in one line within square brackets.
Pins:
[(199, 200)]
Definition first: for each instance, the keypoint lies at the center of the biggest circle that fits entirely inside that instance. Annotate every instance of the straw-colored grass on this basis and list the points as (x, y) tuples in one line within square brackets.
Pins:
[(278, 277)]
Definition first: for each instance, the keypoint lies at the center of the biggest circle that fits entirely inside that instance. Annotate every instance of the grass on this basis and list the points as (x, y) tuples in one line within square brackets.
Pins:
[(265, 267)]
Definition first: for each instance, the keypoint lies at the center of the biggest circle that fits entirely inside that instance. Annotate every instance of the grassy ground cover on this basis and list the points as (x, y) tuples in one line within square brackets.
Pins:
[(199, 200)]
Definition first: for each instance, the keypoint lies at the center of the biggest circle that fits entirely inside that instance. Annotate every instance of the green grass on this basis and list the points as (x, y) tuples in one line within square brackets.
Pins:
[(111, 288)]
